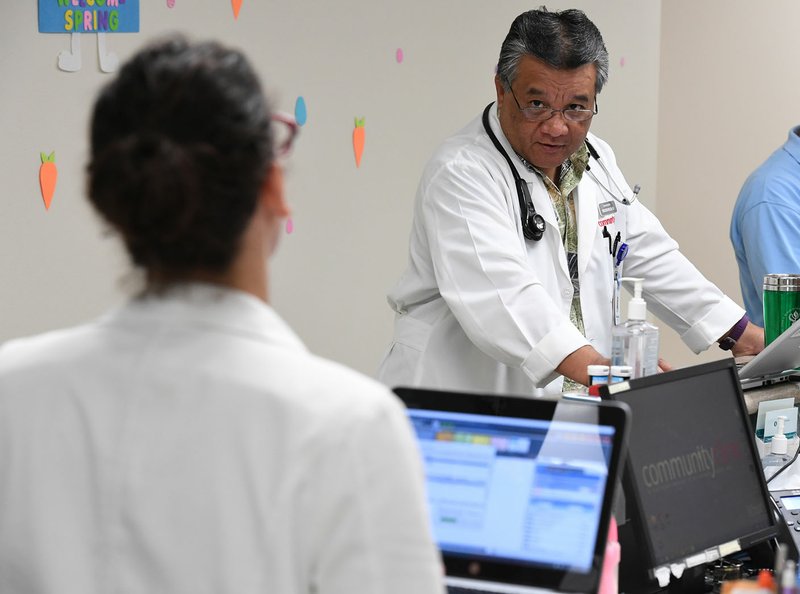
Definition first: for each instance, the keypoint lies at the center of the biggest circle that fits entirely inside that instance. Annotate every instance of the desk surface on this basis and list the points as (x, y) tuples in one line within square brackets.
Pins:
[(754, 396)]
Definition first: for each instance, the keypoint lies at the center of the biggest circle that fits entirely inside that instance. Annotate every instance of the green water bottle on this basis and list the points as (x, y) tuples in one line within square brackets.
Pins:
[(781, 304)]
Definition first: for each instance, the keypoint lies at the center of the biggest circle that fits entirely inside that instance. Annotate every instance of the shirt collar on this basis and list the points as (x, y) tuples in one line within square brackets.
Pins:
[(209, 307), (792, 145), (574, 165)]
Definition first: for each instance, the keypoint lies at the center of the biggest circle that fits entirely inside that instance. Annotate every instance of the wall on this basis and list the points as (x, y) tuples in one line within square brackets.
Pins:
[(61, 267), (729, 93)]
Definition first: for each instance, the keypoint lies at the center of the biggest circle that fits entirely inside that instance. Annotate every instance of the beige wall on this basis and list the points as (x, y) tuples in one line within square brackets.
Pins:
[(729, 93), (707, 90), (351, 225)]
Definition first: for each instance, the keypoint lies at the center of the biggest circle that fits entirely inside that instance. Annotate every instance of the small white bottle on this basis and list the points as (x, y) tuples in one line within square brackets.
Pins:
[(620, 373), (778, 456), (635, 342), (598, 374)]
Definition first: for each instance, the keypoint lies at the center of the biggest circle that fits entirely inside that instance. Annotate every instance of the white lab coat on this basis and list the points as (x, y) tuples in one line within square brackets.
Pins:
[(190, 444), (480, 308)]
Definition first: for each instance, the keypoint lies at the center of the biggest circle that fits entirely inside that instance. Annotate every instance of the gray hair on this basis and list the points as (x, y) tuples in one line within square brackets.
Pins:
[(565, 40)]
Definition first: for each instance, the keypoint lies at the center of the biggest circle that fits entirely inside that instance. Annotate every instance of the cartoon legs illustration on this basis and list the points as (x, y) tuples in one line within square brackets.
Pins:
[(108, 60), (70, 60)]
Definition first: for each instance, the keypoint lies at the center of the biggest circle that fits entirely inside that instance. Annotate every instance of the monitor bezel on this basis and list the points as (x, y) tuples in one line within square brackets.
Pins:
[(631, 488), (523, 573)]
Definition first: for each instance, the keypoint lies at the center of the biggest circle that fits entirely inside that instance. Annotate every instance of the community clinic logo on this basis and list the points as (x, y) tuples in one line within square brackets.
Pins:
[(679, 468)]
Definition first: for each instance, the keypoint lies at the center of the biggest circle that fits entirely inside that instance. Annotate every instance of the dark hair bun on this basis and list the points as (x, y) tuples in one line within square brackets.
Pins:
[(180, 145)]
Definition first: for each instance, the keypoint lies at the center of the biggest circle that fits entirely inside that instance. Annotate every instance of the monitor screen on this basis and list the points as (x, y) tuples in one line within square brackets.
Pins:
[(693, 471), (502, 487)]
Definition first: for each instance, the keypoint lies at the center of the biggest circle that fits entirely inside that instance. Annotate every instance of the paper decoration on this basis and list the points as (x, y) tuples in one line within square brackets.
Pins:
[(289, 226), (237, 6), (79, 17), (170, 3), (82, 16), (70, 61), (359, 136), (300, 114), (622, 61), (399, 55), (48, 175)]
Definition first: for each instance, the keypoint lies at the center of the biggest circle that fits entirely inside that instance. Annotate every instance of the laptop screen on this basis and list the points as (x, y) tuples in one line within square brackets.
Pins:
[(520, 490)]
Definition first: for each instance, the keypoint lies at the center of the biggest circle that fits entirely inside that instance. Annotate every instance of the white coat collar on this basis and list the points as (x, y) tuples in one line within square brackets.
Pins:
[(211, 307), (541, 200), (586, 200)]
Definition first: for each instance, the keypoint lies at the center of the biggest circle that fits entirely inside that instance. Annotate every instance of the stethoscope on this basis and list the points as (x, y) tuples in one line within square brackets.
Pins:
[(533, 224)]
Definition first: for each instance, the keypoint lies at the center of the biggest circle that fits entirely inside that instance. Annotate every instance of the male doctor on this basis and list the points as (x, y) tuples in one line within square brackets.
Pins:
[(510, 286)]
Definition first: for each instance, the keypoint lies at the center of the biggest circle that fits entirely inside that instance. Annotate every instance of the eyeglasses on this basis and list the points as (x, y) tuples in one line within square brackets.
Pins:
[(285, 130), (540, 113)]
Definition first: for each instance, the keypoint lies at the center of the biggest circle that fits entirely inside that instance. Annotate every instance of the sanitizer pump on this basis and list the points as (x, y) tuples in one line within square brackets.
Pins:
[(635, 343), (778, 452)]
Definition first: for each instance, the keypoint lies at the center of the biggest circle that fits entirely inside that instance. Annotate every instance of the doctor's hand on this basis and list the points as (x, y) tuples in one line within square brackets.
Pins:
[(663, 366), (751, 342), (574, 366)]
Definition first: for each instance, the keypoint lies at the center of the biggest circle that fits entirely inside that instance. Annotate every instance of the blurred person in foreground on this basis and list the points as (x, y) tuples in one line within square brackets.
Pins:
[(187, 442)]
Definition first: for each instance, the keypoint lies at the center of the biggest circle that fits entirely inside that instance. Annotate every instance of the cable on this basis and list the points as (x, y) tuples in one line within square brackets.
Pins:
[(785, 466)]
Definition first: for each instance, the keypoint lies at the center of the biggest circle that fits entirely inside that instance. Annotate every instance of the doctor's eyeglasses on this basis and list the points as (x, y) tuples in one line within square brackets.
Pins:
[(284, 130), (542, 112)]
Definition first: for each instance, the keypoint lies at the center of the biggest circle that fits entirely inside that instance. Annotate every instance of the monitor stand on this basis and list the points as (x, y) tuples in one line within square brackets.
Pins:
[(634, 576)]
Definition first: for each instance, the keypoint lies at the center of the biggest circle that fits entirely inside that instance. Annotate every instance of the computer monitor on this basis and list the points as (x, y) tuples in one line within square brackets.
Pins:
[(693, 482)]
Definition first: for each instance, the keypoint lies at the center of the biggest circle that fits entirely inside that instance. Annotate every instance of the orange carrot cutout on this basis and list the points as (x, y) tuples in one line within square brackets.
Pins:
[(48, 174), (358, 140), (237, 5)]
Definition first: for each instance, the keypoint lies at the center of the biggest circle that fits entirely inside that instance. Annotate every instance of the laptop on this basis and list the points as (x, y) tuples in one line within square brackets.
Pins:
[(775, 363), (520, 490)]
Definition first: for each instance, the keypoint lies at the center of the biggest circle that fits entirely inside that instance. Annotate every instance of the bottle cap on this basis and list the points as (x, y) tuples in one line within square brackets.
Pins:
[(766, 580), (621, 370)]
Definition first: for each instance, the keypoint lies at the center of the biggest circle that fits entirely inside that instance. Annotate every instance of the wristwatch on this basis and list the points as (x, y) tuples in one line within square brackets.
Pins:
[(726, 343)]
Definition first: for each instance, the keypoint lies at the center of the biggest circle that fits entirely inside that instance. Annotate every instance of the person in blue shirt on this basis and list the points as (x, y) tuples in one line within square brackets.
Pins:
[(766, 223)]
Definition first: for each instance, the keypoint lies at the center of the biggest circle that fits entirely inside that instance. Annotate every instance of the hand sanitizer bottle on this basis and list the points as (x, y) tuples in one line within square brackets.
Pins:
[(635, 343), (778, 456)]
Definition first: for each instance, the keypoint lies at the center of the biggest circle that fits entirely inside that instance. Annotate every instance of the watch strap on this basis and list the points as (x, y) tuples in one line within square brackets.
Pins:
[(726, 342)]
